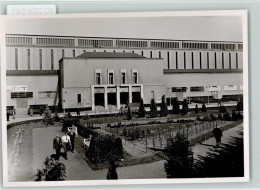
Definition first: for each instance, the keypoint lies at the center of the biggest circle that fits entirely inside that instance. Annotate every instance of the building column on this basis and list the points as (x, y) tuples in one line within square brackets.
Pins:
[(118, 97), (142, 91), (130, 94), (92, 97), (105, 98)]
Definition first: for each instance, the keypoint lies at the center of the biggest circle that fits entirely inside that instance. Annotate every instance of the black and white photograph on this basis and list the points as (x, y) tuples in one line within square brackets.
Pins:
[(125, 98)]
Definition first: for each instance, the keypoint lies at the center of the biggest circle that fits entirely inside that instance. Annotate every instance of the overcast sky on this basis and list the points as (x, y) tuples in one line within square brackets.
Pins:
[(209, 28)]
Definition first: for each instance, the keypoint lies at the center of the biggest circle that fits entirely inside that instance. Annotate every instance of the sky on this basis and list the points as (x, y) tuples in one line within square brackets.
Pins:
[(208, 28)]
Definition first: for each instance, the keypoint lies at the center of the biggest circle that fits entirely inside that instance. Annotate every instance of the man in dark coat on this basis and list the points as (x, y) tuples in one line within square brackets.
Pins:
[(72, 139), (57, 144), (217, 133)]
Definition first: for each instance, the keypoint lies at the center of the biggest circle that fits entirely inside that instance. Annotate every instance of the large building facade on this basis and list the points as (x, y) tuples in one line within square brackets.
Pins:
[(189, 69)]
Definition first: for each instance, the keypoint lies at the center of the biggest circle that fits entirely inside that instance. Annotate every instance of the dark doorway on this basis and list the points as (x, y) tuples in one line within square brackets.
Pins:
[(124, 97), (136, 97), (111, 98), (99, 99)]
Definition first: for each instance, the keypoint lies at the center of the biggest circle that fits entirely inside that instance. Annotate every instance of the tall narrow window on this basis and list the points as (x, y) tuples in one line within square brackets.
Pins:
[(63, 53), (168, 59), (40, 58), (229, 60), (160, 55), (142, 53), (176, 60), (215, 60), (16, 59), (151, 54), (52, 60), (236, 61), (123, 78), (79, 98), (184, 60), (98, 78), (192, 60), (223, 63), (110, 78), (208, 60), (200, 61), (29, 59), (73, 53), (135, 77)]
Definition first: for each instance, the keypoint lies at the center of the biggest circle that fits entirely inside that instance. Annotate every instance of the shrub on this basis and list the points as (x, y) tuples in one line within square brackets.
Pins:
[(164, 109), (86, 117), (234, 116), (47, 119), (220, 116), (56, 116), (185, 108), (196, 109), (226, 116), (212, 117), (179, 157), (206, 118), (198, 118), (175, 106), (125, 132), (153, 109), (203, 108), (222, 109), (239, 115), (141, 110), (240, 105), (68, 122), (53, 171), (129, 114)]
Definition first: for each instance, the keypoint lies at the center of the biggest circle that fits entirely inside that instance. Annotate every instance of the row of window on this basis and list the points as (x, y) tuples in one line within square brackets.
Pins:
[(95, 43), (54, 41), (129, 43), (142, 53), (159, 44), (120, 43), (192, 45), (21, 94), (98, 78), (19, 40), (202, 89)]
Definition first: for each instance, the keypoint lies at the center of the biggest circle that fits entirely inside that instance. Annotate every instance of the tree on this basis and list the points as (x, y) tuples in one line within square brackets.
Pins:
[(175, 106), (54, 171), (164, 108), (153, 109), (196, 109), (179, 157), (222, 109), (129, 114), (141, 111), (203, 108), (185, 107), (240, 105), (112, 173)]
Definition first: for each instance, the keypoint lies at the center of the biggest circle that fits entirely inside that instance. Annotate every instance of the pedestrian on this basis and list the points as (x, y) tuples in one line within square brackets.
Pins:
[(78, 112), (7, 114), (65, 144), (14, 113), (57, 144), (72, 135), (217, 133)]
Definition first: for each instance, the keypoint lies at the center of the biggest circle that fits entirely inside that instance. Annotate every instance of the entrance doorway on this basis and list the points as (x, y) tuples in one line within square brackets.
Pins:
[(124, 97), (99, 99), (111, 98), (136, 97)]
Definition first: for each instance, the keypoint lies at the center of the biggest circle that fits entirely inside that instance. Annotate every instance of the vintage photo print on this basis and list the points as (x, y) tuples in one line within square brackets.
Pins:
[(125, 98)]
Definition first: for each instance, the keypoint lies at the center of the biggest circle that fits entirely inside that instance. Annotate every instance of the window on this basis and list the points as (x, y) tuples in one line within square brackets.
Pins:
[(135, 78), (200, 61), (229, 60), (142, 53), (151, 54), (73, 53), (63, 53), (176, 60), (110, 78), (215, 60), (179, 89), (29, 58), (123, 78), (52, 60), (16, 59), (160, 56), (98, 78), (168, 59), (223, 63), (21, 94), (208, 60), (40, 58), (192, 60), (79, 98), (184, 60), (236, 61), (197, 89)]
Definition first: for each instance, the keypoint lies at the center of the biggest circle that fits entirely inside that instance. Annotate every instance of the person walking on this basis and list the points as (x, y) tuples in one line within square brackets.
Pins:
[(65, 144), (57, 146), (72, 135), (217, 133)]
